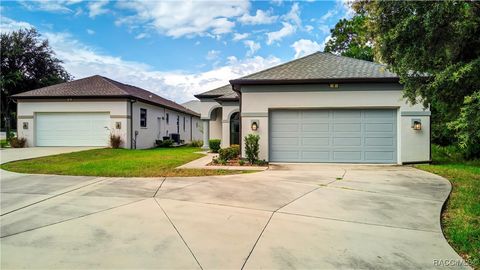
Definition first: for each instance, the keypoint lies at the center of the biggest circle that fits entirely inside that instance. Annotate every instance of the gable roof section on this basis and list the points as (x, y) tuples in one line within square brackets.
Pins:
[(217, 92), (101, 87), (320, 67)]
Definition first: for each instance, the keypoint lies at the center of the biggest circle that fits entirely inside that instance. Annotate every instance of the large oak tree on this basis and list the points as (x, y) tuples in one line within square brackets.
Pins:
[(27, 62)]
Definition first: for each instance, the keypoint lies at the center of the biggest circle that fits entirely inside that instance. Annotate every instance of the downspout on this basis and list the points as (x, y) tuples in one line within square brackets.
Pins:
[(131, 124), (191, 128)]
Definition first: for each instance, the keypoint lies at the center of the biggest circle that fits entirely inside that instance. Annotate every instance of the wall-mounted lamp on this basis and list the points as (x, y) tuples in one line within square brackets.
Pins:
[(118, 125), (333, 85), (25, 125), (416, 124), (254, 125)]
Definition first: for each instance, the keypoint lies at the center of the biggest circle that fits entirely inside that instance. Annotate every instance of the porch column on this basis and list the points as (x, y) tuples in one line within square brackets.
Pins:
[(225, 133), (206, 133)]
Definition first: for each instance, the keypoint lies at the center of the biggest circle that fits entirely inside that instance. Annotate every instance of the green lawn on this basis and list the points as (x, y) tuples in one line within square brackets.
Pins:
[(118, 163), (461, 218), (3, 143)]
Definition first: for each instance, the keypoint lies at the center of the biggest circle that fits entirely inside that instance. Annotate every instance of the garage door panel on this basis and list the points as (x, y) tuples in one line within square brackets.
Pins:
[(319, 127), (361, 135), (347, 127), (325, 141), (347, 156), (288, 128), (72, 129)]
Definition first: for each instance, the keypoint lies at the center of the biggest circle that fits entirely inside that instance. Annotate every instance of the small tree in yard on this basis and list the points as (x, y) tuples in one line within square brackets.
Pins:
[(252, 147)]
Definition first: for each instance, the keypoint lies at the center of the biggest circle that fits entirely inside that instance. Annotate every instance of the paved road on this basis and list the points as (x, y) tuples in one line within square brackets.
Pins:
[(292, 216)]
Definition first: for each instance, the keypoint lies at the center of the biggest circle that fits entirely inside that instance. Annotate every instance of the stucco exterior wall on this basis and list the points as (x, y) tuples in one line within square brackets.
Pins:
[(257, 101), (157, 125), (228, 108), (216, 124), (27, 110)]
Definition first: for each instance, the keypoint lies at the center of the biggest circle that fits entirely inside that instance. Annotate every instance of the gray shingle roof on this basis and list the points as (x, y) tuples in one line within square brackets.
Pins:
[(101, 87), (217, 92), (321, 66)]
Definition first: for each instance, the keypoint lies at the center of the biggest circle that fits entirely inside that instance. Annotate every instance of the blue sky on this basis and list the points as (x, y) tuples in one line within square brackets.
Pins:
[(173, 48)]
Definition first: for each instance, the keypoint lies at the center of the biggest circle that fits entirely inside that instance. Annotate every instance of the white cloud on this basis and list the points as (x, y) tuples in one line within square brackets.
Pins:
[(178, 19), (328, 15), (286, 30), (90, 32), (252, 46), (294, 15), (238, 36), (8, 25), (82, 61), (59, 6), (304, 46), (324, 29), (309, 28), (212, 55), (96, 8), (261, 17), (142, 36)]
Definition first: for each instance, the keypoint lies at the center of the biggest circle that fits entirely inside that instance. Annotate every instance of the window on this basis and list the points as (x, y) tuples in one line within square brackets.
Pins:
[(143, 117), (168, 118), (184, 123)]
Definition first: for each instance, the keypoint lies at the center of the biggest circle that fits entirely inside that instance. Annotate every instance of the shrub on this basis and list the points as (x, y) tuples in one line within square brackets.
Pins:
[(222, 161), (115, 141), (241, 162), (196, 143), (214, 145), (16, 142), (215, 161), (467, 126), (261, 162), (165, 143), (229, 153), (252, 147)]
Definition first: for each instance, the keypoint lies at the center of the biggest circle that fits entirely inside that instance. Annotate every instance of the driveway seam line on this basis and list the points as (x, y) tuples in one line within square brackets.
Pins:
[(358, 222), (384, 193), (268, 222), (178, 232), (258, 239), (73, 218), (219, 204), (160, 186), (54, 196)]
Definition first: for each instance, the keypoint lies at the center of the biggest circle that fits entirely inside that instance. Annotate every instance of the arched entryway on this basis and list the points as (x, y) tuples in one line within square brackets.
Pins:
[(235, 128)]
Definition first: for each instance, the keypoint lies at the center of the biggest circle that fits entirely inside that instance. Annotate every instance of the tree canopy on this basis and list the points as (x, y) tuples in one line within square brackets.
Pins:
[(27, 62), (351, 38)]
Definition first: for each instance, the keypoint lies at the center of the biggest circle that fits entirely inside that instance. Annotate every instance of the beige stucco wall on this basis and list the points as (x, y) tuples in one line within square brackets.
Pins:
[(157, 125), (119, 112), (216, 124), (27, 110), (257, 101), (228, 108), (219, 119)]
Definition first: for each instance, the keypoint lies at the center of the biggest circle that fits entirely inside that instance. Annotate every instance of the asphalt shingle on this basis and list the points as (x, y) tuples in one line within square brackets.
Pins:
[(101, 87)]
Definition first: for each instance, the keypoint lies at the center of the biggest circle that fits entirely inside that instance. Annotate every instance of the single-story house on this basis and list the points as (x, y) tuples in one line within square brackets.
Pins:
[(85, 112), (320, 108)]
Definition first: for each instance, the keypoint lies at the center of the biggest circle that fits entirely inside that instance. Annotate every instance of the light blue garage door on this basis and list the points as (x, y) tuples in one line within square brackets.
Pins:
[(356, 136)]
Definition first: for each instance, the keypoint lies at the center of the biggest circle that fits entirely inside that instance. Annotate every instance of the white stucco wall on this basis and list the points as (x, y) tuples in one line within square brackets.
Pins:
[(119, 111), (216, 124), (27, 110), (257, 101), (157, 125)]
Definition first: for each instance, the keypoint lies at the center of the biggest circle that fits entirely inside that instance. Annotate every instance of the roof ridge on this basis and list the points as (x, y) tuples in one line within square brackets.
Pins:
[(110, 81), (279, 65), (355, 59)]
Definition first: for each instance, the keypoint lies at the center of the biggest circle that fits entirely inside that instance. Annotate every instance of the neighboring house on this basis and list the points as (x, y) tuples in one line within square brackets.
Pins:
[(85, 112), (320, 108)]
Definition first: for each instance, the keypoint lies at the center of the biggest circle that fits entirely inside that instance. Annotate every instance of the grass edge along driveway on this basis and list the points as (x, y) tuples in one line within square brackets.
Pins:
[(158, 162), (461, 217)]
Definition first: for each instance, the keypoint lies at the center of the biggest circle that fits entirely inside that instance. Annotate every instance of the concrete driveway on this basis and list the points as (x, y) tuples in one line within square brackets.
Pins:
[(291, 216), (12, 154)]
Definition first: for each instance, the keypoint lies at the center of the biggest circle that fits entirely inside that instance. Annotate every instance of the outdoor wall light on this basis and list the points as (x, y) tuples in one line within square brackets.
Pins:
[(254, 125), (25, 125), (118, 125), (416, 124)]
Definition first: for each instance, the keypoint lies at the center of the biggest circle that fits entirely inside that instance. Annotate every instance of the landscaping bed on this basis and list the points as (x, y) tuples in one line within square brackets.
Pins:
[(158, 162), (461, 216)]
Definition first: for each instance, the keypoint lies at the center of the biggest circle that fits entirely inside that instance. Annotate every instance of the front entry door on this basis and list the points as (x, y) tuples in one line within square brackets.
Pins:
[(235, 128)]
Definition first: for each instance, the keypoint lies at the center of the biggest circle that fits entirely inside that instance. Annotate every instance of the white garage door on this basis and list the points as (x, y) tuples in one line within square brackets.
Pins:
[(72, 129), (356, 136)]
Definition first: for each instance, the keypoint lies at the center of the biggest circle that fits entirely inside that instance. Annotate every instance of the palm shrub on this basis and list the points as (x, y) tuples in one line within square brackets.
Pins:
[(252, 147), (214, 145), (196, 143)]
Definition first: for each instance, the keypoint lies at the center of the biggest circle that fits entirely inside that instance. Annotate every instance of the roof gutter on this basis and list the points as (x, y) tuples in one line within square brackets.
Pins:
[(15, 97), (239, 82)]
